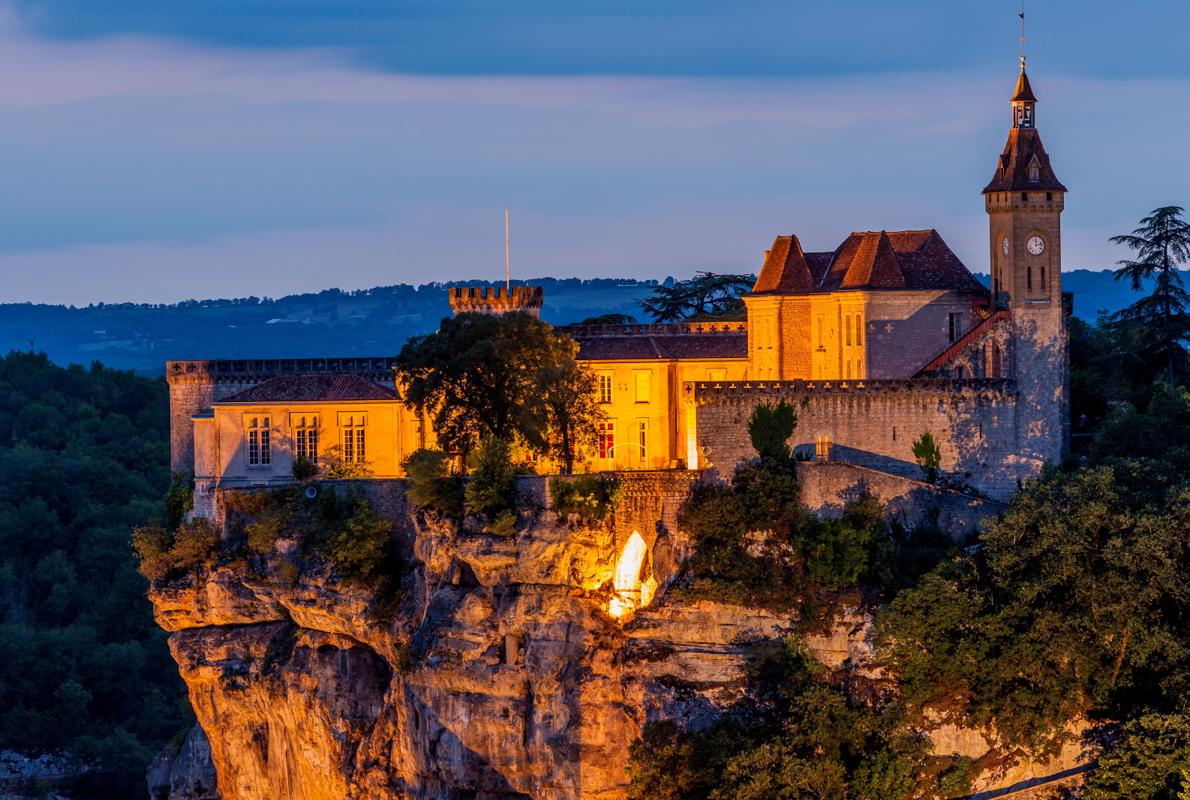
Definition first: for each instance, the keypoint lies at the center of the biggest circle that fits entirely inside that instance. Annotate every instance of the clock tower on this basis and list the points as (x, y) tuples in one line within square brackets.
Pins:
[(1024, 201)]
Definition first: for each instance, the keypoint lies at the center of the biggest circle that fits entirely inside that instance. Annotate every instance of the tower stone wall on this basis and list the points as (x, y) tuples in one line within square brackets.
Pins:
[(496, 300)]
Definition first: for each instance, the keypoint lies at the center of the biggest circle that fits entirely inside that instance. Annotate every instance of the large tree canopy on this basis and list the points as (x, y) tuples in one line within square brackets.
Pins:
[(511, 376), (1161, 242), (707, 294)]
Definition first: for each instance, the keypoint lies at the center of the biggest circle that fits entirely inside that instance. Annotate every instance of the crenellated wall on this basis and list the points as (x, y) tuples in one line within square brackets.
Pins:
[(874, 424)]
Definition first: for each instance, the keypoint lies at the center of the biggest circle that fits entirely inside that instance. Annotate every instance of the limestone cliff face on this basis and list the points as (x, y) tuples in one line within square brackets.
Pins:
[(499, 674)]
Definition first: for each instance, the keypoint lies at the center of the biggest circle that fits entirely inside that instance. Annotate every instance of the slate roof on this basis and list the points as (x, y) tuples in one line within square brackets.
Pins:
[(1024, 92), (866, 260), (664, 347), (1013, 172), (312, 389)]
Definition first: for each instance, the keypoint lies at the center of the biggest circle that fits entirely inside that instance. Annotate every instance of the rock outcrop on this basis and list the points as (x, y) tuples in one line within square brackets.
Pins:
[(498, 674)]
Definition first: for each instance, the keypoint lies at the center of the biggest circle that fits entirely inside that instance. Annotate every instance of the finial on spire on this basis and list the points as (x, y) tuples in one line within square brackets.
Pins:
[(1022, 16)]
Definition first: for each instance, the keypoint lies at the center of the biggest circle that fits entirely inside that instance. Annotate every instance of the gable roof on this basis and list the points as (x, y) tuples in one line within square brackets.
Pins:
[(874, 260), (963, 342), (312, 389)]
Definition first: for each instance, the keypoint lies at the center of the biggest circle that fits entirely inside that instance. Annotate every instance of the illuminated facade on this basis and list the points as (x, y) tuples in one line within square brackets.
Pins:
[(883, 306)]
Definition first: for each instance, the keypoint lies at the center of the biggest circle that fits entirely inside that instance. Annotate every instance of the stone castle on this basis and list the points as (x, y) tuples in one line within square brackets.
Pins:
[(885, 338)]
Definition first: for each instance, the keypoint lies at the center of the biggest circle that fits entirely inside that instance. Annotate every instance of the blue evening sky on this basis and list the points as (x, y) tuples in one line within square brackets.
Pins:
[(154, 150)]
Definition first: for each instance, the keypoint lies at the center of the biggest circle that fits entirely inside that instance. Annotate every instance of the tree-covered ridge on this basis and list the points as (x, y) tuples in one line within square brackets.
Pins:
[(83, 668)]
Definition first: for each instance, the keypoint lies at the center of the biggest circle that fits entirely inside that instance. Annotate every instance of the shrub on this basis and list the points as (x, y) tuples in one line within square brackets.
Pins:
[(492, 490), (590, 497), (770, 493), (430, 485), (928, 455), (363, 548), (264, 531), (770, 427), (304, 469), (179, 500), (151, 543), (194, 546), (1151, 761)]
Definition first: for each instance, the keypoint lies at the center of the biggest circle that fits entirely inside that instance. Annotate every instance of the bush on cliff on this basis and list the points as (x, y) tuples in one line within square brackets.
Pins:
[(363, 550), (592, 498), (430, 484), (1150, 761), (491, 490)]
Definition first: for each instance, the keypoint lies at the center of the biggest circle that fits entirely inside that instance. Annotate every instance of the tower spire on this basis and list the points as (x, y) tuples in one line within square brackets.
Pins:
[(1022, 16)]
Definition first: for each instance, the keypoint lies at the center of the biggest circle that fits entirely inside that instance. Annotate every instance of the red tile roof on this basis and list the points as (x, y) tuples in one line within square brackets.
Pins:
[(867, 260), (312, 389), (664, 347)]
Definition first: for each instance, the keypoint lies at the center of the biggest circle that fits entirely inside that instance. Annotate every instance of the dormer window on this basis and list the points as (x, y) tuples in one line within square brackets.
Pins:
[(1034, 170)]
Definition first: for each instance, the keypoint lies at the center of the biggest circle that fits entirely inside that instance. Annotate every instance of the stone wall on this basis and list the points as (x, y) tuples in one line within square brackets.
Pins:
[(874, 424), (828, 486)]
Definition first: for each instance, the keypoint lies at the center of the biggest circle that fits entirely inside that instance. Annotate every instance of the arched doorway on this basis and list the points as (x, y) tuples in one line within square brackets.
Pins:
[(633, 582)]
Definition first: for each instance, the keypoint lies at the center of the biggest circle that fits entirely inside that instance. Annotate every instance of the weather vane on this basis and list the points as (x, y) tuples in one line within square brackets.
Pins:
[(1022, 16)]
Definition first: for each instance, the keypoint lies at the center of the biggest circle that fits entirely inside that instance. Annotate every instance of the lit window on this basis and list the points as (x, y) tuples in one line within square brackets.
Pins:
[(859, 328), (847, 328), (607, 439), (260, 448), (643, 385), (354, 438), (822, 448), (605, 387), (642, 438), (306, 437)]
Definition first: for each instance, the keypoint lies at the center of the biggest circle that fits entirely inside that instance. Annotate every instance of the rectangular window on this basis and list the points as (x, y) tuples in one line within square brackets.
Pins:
[(1029, 278), (605, 387), (955, 324), (642, 438), (306, 436), (642, 381), (859, 328), (354, 427), (260, 448), (847, 329), (607, 438)]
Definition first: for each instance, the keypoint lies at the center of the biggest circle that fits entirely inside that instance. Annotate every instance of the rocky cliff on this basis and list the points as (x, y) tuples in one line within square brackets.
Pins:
[(501, 671)]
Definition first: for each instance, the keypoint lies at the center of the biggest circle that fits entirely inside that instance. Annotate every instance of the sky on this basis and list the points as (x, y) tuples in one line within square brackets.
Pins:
[(158, 150)]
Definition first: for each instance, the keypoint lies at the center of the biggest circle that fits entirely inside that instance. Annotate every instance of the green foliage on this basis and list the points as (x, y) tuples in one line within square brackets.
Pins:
[(304, 469), (84, 670), (592, 498), (363, 549), (194, 546), (151, 543), (264, 531), (928, 456), (770, 427), (1151, 761), (754, 544), (792, 736), (1160, 320), (706, 295), (507, 376), (179, 499), (431, 485), (1070, 607), (491, 491)]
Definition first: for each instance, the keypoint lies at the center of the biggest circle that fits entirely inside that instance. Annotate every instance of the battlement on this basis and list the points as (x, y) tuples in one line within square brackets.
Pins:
[(654, 329), (496, 299), (716, 391), (240, 371)]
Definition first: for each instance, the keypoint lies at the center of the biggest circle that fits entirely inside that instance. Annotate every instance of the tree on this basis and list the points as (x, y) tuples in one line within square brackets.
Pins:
[(510, 376), (1151, 761), (1161, 242), (707, 294), (928, 455)]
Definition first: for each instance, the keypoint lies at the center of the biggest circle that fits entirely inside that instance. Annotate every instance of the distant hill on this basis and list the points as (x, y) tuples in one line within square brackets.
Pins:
[(336, 323)]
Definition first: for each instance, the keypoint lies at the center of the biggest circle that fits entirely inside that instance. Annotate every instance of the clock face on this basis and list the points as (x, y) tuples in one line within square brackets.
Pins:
[(1004, 246), (1035, 245)]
